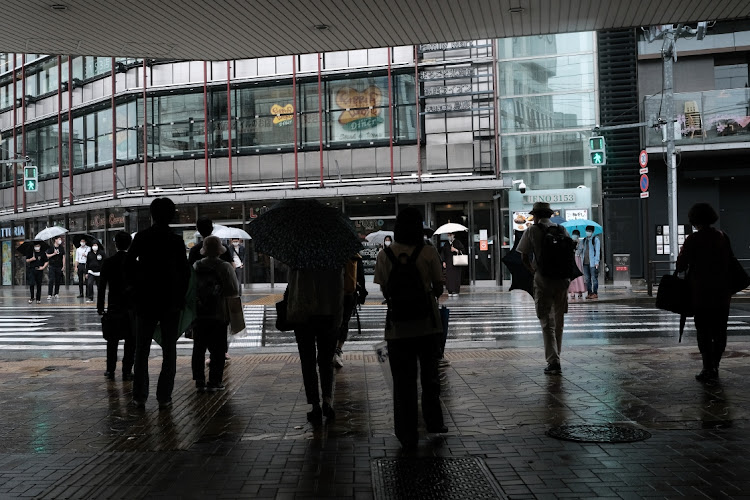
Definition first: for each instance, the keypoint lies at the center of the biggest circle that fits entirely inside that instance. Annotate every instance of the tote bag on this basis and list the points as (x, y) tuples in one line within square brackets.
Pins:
[(236, 315), (461, 260)]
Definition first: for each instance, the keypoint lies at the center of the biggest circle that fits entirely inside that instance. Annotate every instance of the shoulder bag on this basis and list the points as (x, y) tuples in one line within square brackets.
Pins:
[(460, 260)]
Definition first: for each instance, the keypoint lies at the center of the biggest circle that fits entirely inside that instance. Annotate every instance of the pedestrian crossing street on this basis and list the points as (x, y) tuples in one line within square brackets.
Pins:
[(77, 328)]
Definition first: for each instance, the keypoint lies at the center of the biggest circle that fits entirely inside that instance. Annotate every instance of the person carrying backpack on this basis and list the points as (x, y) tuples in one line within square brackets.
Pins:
[(215, 282), (410, 276), (554, 264)]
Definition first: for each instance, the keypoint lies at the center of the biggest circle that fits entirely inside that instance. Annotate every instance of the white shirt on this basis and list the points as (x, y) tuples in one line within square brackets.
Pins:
[(82, 253)]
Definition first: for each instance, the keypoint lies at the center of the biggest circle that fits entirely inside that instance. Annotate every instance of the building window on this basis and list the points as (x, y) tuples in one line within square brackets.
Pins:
[(358, 109), (177, 125), (731, 76), (264, 117)]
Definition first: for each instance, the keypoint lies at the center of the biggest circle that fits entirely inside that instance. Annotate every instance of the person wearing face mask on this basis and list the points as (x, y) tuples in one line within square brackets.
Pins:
[(237, 251), (36, 263), (578, 285), (592, 251), (452, 273), (79, 266), (387, 241), (56, 259), (93, 269)]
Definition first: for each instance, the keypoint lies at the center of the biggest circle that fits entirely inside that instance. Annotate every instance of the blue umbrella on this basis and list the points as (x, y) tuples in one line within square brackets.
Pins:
[(581, 224), (557, 219)]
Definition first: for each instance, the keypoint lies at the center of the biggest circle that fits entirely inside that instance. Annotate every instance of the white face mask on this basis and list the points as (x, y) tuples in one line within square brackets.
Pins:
[(589, 234), (95, 248), (451, 238), (236, 243), (387, 243), (575, 237), (59, 242), (36, 249), (83, 243)]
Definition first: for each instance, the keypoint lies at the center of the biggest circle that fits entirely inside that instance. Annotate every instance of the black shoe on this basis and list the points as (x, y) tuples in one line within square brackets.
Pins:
[(127, 377), (165, 405), (79, 297), (315, 416), (211, 387), (328, 411), (553, 369), (409, 444), (442, 429), (707, 375), (109, 375), (200, 385), (137, 403)]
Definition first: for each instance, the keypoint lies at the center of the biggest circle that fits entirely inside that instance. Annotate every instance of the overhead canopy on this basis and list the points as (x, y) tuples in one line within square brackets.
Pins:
[(237, 29)]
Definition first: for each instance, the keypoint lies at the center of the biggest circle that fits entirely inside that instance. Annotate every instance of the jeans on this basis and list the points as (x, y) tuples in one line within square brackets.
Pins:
[(404, 356), (212, 336), (591, 277), (145, 325), (35, 277), (323, 335), (551, 301), (55, 280), (90, 281)]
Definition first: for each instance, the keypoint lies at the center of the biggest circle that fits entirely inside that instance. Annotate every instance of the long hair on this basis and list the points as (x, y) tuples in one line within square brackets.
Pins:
[(408, 230)]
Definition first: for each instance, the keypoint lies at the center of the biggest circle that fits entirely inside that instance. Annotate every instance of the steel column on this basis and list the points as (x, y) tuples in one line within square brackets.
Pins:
[(23, 118), (205, 119), (70, 129), (59, 132), (15, 141), (294, 121), (320, 116), (229, 120), (114, 132), (418, 119), (495, 103), (145, 134), (390, 109)]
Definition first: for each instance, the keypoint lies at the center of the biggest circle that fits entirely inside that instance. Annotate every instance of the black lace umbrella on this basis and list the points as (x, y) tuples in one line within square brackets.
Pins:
[(521, 278), (305, 234)]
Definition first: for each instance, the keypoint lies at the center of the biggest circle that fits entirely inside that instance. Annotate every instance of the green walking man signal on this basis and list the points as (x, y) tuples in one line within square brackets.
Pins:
[(30, 179), (597, 150)]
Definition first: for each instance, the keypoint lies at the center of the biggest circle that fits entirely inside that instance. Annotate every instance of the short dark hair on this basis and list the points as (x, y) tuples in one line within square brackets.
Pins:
[(702, 214), (123, 240), (576, 231), (162, 210), (204, 226), (408, 229), (590, 228)]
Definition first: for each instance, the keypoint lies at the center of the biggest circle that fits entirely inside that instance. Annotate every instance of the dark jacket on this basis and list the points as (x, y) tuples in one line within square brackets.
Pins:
[(94, 261), (445, 253), (705, 256), (157, 270), (239, 251), (195, 254), (113, 275)]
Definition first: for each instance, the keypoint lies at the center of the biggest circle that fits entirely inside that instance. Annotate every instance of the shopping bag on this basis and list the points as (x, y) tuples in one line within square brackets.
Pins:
[(460, 260), (236, 314)]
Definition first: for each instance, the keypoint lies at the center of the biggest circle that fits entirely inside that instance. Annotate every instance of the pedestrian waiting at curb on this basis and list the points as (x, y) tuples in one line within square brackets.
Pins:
[(706, 256), (550, 283), (215, 282), (79, 266), (591, 255), (577, 285), (204, 227), (158, 272), (56, 259), (118, 323), (410, 276), (36, 263), (93, 268)]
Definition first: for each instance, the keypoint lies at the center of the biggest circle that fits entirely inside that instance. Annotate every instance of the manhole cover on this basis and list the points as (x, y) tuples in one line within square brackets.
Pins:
[(433, 478), (598, 433)]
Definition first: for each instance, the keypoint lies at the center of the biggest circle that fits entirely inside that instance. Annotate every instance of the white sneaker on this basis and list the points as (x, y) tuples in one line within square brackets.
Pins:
[(57, 297), (49, 297), (338, 360)]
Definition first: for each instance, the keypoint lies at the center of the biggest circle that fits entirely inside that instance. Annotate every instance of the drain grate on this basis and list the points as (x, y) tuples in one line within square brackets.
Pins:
[(433, 478), (604, 433)]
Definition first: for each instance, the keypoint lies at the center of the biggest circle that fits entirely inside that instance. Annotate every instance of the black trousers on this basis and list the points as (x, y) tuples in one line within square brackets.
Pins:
[(35, 277), (211, 336), (320, 333), (711, 327), (404, 355), (90, 281), (145, 325), (55, 280), (127, 359), (350, 302), (81, 278)]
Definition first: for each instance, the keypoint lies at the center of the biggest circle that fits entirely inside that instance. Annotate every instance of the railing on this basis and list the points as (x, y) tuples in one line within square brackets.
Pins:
[(709, 117), (658, 268)]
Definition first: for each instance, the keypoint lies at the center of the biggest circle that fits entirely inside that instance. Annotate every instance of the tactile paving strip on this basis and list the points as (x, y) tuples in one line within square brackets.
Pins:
[(604, 433), (433, 478)]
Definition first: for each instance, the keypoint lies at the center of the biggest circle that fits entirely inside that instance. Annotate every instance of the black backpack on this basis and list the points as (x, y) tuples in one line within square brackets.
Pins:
[(558, 258), (405, 292), (209, 292)]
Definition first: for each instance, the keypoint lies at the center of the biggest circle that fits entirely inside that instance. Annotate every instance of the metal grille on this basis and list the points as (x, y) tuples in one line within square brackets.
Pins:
[(605, 433), (433, 478)]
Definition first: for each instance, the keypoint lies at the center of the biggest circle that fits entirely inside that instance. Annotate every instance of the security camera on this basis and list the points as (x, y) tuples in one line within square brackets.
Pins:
[(27, 158), (522, 187)]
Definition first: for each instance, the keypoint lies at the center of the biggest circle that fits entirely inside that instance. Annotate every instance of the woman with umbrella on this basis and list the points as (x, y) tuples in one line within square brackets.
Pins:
[(36, 263), (451, 248)]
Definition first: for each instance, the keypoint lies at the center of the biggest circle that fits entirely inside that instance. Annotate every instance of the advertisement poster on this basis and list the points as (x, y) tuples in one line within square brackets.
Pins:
[(522, 220), (361, 116), (576, 214), (7, 252), (188, 236)]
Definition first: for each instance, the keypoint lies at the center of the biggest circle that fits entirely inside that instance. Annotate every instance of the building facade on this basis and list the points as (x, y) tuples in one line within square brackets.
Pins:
[(446, 127)]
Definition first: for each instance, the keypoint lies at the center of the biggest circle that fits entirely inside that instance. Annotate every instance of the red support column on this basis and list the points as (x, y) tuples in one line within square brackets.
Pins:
[(390, 109), (494, 106), (229, 120), (205, 118), (59, 133), (70, 129), (418, 116), (320, 117), (294, 120), (114, 132), (15, 141), (23, 118), (145, 134)]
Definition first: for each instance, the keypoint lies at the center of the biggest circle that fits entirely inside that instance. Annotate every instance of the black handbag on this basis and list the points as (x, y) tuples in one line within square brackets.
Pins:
[(674, 296), (282, 323), (116, 325)]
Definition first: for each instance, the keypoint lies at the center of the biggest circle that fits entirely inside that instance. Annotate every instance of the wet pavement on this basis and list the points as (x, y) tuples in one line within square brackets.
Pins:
[(68, 433)]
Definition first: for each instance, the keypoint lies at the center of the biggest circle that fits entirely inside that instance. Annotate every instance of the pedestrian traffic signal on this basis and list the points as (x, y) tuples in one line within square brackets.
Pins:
[(597, 150), (30, 179)]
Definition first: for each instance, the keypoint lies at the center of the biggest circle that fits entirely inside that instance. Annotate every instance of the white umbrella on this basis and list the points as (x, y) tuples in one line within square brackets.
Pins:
[(228, 233), (451, 227), (50, 232), (378, 237)]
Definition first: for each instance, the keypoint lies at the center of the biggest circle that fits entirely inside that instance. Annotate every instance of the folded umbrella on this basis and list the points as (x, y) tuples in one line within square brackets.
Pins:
[(50, 232), (305, 234)]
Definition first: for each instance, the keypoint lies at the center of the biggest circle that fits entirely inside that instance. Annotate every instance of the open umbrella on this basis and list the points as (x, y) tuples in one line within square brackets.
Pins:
[(50, 232), (520, 277), (378, 237), (581, 224), (557, 219), (305, 234), (90, 239), (27, 246), (451, 227), (228, 233)]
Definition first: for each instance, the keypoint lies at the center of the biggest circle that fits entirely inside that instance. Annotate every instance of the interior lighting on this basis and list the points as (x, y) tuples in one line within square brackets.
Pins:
[(516, 10)]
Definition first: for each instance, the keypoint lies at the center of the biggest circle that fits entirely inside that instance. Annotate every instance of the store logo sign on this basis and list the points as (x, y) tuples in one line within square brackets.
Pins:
[(550, 198), (16, 231), (361, 109), (283, 115)]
